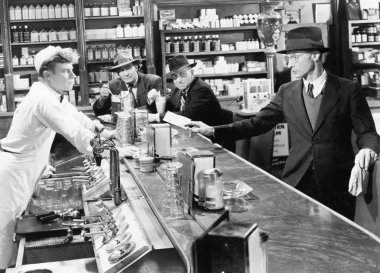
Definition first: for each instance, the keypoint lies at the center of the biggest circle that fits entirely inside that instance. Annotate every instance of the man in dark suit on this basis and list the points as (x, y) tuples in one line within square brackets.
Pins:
[(192, 97), (129, 80), (321, 110)]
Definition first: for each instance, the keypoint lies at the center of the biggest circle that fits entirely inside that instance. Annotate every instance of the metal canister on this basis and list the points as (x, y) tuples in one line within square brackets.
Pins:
[(211, 189)]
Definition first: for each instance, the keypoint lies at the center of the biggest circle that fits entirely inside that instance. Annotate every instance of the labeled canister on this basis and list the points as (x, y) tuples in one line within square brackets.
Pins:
[(211, 189)]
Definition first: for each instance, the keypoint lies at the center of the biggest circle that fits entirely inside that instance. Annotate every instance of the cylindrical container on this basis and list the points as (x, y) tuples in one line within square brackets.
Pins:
[(104, 10), (58, 11), (38, 12), (12, 13), (45, 12), (18, 13), (66, 194), (25, 12), (49, 192), (95, 10), (211, 189), (140, 122), (32, 12), (87, 10), (146, 164), (124, 127), (172, 203), (71, 10), (51, 11), (57, 195), (73, 34), (113, 10), (105, 55)]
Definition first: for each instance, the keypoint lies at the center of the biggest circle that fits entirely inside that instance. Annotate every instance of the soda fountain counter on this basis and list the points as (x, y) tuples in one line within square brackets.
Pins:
[(304, 236)]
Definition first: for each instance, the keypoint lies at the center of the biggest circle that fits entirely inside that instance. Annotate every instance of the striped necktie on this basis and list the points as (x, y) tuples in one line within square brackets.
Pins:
[(133, 95), (310, 88)]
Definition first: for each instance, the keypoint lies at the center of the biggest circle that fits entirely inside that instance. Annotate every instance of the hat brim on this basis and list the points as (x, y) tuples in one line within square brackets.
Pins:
[(179, 69), (320, 49), (135, 61)]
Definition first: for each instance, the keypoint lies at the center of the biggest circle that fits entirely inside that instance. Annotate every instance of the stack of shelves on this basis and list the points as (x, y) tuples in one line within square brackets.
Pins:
[(363, 42), (80, 23), (239, 62)]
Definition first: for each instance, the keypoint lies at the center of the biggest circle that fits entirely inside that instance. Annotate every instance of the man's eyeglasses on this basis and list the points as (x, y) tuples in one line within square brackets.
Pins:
[(182, 74), (293, 57)]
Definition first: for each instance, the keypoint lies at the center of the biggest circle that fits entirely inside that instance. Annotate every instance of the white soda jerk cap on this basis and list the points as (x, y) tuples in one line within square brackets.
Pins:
[(52, 51)]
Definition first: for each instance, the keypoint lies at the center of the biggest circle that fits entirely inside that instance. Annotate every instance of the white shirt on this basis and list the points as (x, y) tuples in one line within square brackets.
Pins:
[(318, 84), (40, 115)]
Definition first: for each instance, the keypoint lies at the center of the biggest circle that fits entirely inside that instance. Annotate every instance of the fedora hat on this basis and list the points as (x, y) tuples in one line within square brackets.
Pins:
[(177, 63), (304, 38), (123, 58)]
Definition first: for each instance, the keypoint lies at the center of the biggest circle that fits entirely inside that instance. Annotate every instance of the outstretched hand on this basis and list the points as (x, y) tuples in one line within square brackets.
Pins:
[(200, 127)]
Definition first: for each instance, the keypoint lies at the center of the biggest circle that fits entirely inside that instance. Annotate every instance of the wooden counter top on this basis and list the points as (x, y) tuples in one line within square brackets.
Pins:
[(304, 235)]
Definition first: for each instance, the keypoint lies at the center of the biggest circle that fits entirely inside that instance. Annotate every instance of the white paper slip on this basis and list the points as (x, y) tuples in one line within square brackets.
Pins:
[(177, 120)]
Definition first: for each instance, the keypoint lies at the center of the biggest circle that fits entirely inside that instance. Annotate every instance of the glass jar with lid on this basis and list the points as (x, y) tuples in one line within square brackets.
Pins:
[(113, 9), (34, 36), (98, 53), (87, 9), (211, 189), (95, 10), (105, 54), (43, 35), (72, 34), (52, 35), (111, 52), (136, 51), (90, 54), (128, 31), (104, 10)]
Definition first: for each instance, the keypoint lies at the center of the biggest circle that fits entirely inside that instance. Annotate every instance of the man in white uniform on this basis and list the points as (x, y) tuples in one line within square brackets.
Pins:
[(24, 152)]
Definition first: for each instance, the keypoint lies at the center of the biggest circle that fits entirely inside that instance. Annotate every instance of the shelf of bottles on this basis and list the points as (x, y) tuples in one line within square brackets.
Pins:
[(36, 25), (209, 30)]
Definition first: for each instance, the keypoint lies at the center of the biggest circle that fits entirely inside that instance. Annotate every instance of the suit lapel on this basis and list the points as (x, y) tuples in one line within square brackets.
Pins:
[(296, 101), (329, 100)]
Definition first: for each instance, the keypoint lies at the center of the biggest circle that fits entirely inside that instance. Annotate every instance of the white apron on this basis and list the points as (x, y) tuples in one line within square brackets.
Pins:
[(30, 137)]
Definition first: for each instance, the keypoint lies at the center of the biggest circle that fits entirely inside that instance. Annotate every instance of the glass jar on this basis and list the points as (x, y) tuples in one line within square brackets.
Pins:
[(77, 194), (113, 10), (58, 11), (87, 10), (98, 53), (43, 35), (104, 10), (15, 61), (142, 30), (51, 11), (57, 195), (49, 194), (25, 12), (119, 31), (135, 30), (140, 119), (66, 198), (95, 10), (32, 12), (45, 12), (18, 13), (38, 12), (172, 204), (111, 52), (269, 25), (370, 38), (136, 51), (105, 55), (65, 11), (23, 60), (211, 189), (73, 34), (34, 36), (30, 60), (364, 36), (71, 10), (12, 13), (52, 35), (128, 31)]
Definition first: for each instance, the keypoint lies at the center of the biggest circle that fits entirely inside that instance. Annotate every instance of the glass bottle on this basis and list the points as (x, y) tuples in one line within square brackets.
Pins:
[(38, 12), (111, 52), (135, 30), (65, 11), (364, 36), (18, 13), (12, 15), (15, 38), (73, 34), (172, 204), (181, 45), (20, 34), (25, 12), (211, 183), (105, 55), (49, 189), (58, 11), (196, 44), (98, 53), (26, 34), (57, 195), (191, 44), (71, 10), (34, 36), (217, 43), (113, 10), (52, 35), (90, 54), (128, 31), (167, 45), (15, 61), (32, 12), (43, 35), (66, 194), (119, 31), (136, 51), (142, 30), (201, 44), (95, 10), (269, 25), (176, 45), (207, 43), (51, 11), (104, 10), (87, 10), (45, 12)]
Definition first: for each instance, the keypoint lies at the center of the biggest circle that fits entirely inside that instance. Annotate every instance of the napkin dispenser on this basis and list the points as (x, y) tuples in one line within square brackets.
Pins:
[(193, 163), (160, 140), (231, 247)]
